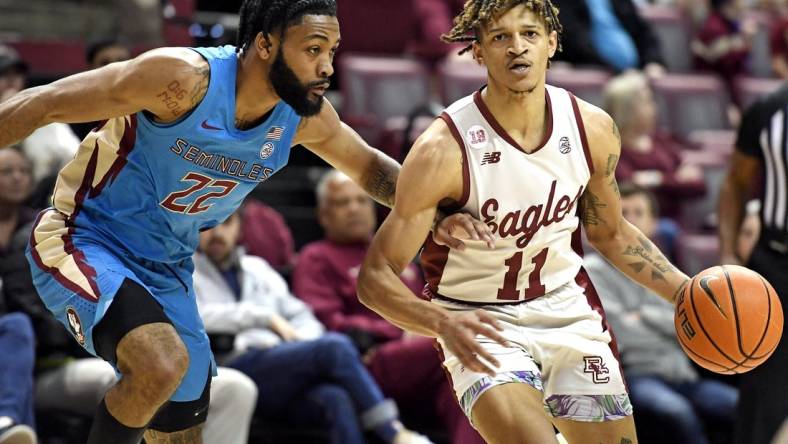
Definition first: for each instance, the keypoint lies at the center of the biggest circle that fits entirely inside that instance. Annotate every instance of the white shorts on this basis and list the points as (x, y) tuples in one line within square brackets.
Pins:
[(558, 346)]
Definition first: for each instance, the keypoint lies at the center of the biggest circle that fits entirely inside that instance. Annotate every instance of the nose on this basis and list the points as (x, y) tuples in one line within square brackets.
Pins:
[(518, 46), (326, 68)]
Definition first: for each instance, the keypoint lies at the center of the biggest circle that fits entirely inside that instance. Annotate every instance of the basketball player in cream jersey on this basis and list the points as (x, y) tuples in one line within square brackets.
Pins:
[(521, 328)]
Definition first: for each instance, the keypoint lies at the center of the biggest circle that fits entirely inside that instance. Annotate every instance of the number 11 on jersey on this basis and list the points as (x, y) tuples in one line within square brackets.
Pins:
[(535, 287)]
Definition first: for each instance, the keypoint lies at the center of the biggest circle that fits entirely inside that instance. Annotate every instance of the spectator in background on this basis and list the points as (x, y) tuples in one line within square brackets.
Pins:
[(264, 233), (303, 375), (17, 347), (663, 384), (101, 53), (649, 158), (608, 33), (407, 368), (50, 147), (723, 42), (779, 45), (413, 27)]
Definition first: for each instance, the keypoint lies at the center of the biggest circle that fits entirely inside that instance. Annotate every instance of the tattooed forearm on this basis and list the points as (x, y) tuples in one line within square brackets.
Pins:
[(614, 129), (590, 206), (647, 254), (680, 289), (188, 436), (380, 180)]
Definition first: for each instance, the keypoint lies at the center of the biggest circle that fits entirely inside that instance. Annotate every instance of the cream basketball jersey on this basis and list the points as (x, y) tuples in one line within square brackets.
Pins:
[(529, 201)]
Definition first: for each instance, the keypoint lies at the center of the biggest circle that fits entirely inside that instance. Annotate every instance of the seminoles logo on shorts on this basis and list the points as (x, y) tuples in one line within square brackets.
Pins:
[(596, 367), (75, 325)]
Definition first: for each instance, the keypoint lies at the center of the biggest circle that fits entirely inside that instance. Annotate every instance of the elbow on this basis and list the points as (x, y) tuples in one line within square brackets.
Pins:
[(368, 286)]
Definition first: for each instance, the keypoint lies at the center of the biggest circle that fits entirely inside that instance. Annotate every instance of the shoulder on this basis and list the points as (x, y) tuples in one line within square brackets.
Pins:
[(439, 144), (319, 128), (256, 263), (601, 132)]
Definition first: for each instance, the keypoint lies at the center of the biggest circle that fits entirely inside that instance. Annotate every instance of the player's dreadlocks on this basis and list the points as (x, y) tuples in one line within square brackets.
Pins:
[(268, 15), (477, 13)]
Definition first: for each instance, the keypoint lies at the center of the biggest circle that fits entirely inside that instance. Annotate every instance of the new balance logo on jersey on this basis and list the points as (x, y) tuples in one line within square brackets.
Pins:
[(596, 367), (493, 157)]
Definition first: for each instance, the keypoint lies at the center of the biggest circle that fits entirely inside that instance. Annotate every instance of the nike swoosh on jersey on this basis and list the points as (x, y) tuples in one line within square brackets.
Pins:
[(206, 125)]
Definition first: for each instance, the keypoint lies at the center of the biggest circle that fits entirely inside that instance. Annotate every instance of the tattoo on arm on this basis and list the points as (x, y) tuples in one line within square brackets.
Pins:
[(644, 254), (612, 161), (199, 90), (680, 289), (614, 128), (380, 181), (589, 206)]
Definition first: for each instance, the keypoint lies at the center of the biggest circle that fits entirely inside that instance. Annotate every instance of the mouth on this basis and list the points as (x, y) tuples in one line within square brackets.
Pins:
[(519, 68), (319, 89)]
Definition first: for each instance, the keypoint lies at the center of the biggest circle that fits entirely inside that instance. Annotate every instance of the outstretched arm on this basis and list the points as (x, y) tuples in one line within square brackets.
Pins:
[(622, 244), (339, 145), (166, 82), (431, 175)]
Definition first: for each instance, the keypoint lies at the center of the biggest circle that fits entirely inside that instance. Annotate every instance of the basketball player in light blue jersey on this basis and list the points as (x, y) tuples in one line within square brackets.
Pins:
[(184, 135)]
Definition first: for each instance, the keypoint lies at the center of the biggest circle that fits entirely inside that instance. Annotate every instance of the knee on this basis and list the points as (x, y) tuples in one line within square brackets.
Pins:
[(154, 357), (332, 396), (19, 326), (338, 346), (235, 387)]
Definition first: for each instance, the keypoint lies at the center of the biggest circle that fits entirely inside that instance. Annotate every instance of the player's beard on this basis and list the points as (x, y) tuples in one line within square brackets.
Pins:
[(290, 89)]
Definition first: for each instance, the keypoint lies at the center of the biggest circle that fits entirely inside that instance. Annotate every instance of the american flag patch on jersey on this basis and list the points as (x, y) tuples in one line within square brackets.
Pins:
[(275, 133)]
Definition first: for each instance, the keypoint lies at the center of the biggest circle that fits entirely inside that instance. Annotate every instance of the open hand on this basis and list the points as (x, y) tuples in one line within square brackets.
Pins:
[(462, 226), (459, 332)]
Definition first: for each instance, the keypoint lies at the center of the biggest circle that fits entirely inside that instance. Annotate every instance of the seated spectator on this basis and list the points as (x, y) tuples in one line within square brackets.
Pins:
[(17, 347), (649, 158), (414, 27), (265, 233), (50, 147), (723, 42), (663, 384), (608, 33), (779, 46), (303, 376), (407, 368), (101, 53)]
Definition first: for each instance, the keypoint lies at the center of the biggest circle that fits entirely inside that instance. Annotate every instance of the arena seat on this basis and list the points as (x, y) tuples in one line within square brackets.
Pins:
[(52, 59), (586, 83), (749, 89), (457, 79), (376, 88), (689, 102), (673, 31)]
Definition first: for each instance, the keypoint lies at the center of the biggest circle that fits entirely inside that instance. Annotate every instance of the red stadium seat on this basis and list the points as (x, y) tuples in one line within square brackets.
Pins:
[(674, 34), (375, 89), (689, 102), (749, 89), (52, 58), (700, 214), (586, 83)]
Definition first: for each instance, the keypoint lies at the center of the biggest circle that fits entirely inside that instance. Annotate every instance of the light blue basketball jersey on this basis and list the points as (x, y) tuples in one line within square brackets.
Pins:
[(147, 189)]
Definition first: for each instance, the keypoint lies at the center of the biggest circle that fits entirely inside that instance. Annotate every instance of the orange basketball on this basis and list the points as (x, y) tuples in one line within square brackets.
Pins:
[(729, 319)]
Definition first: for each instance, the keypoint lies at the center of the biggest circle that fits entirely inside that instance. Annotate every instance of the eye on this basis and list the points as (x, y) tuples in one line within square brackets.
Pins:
[(531, 34), (314, 50)]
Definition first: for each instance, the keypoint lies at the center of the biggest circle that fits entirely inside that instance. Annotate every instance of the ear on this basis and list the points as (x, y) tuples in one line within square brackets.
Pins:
[(476, 49), (552, 44), (264, 46)]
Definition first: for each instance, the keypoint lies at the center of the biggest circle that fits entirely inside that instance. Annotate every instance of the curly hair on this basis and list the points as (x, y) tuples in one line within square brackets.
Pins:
[(477, 13), (265, 16)]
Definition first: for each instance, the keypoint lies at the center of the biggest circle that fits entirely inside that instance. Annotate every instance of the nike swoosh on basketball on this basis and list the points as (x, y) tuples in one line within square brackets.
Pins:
[(206, 125)]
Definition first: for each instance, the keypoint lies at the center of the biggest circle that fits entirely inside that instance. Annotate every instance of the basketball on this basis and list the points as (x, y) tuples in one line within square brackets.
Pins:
[(729, 319)]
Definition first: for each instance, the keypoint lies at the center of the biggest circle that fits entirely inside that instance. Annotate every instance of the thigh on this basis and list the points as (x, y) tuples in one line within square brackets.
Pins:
[(652, 395), (76, 387), (512, 413), (620, 431)]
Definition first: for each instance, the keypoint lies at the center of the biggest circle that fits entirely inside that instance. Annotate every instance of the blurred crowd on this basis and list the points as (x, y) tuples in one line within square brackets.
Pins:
[(302, 360)]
